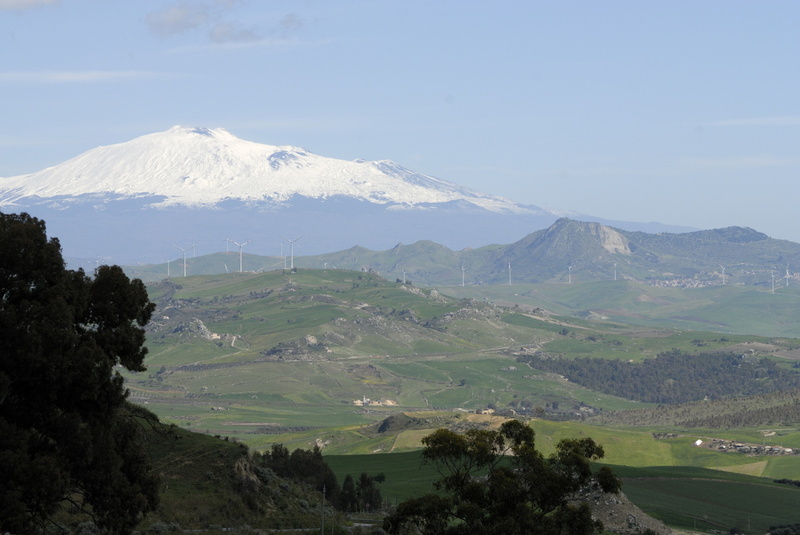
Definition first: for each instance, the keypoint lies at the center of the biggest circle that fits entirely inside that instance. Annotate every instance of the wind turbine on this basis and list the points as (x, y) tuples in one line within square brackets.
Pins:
[(184, 258), (569, 275), (240, 245), (462, 275), (787, 275), (773, 281), (723, 274), (509, 273), (404, 276), (291, 246)]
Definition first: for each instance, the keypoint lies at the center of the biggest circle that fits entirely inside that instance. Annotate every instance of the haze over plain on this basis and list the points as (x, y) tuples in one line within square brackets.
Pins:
[(678, 112)]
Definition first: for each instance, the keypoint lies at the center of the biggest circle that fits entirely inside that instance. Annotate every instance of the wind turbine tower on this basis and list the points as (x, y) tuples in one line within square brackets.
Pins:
[(569, 275), (462, 275), (291, 250), (184, 258), (723, 274), (509, 273), (240, 245), (787, 275)]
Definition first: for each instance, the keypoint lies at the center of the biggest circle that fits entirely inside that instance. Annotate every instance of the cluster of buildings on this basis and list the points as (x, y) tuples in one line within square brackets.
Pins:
[(748, 449), (365, 401)]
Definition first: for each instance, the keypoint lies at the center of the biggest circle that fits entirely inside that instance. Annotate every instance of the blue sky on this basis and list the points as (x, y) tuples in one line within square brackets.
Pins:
[(682, 112)]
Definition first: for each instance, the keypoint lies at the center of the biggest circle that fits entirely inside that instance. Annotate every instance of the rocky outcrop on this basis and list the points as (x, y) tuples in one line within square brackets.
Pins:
[(619, 515)]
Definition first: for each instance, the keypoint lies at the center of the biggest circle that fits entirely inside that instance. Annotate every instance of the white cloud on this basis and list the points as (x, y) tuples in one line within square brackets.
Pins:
[(219, 19), (19, 5), (782, 120), (290, 24), (225, 32), (176, 19), (55, 77)]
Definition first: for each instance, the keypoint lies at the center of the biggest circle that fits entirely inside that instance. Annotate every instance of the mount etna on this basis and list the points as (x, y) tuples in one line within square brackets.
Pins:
[(195, 188)]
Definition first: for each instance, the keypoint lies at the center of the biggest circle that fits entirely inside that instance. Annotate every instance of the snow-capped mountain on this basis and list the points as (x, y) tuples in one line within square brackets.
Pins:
[(143, 200), (203, 167)]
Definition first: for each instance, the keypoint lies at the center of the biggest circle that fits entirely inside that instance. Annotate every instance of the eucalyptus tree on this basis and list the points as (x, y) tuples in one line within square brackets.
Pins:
[(68, 438), (496, 482)]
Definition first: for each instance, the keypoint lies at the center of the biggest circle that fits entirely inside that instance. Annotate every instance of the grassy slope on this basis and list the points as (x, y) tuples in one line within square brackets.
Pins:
[(306, 401), (706, 500), (208, 484), (384, 350), (732, 308), (385, 354), (684, 497), (725, 309), (200, 481)]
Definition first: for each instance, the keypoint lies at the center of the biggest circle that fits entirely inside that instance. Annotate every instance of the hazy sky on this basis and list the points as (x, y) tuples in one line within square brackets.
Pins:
[(683, 112)]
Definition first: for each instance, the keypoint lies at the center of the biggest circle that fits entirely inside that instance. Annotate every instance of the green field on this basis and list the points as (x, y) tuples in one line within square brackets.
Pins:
[(710, 505), (729, 309), (688, 498), (282, 357)]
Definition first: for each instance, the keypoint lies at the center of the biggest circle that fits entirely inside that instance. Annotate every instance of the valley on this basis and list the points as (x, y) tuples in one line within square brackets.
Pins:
[(272, 357), (395, 268), (364, 367)]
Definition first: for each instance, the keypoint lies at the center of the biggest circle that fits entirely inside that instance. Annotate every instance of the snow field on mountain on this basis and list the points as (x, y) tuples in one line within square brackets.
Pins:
[(202, 167)]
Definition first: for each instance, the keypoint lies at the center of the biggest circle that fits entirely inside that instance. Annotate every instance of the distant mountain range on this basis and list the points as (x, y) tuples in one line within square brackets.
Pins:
[(141, 200), (566, 251)]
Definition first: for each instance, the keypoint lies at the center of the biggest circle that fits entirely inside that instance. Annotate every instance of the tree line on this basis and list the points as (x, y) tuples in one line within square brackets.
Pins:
[(308, 466), (774, 408), (673, 376)]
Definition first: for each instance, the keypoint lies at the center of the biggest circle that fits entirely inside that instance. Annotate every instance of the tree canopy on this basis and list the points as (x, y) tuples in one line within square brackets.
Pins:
[(67, 435), (674, 376), (496, 482)]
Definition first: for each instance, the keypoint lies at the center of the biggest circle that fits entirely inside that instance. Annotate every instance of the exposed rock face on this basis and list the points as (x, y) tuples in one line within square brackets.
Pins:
[(196, 327), (613, 241), (619, 515)]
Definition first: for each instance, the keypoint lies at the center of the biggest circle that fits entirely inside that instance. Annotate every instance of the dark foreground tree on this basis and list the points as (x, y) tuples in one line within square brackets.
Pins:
[(67, 435), (496, 482), (307, 466)]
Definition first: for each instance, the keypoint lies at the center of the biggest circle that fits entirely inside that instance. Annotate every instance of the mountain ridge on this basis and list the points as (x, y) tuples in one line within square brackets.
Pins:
[(567, 249), (137, 201)]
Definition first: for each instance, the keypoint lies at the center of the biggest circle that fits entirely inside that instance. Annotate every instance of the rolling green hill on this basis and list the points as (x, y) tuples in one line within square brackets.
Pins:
[(283, 357), (732, 280), (259, 355), (266, 356), (729, 309)]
